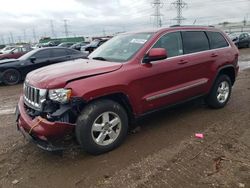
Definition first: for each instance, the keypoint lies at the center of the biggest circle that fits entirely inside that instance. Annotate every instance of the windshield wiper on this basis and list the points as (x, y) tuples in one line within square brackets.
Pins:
[(100, 58)]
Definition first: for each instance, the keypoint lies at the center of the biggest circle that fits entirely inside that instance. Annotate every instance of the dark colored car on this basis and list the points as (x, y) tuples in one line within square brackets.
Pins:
[(79, 45), (12, 71), (93, 45), (15, 53), (66, 44), (95, 100), (241, 40)]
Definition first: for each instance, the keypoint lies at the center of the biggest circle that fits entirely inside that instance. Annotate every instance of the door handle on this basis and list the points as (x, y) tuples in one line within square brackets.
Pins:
[(182, 62), (214, 55)]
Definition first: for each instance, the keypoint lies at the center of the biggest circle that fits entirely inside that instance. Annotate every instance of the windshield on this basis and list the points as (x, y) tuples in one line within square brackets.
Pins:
[(121, 48), (27, 55)]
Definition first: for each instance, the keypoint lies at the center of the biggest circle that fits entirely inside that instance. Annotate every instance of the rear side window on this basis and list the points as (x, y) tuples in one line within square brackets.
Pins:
[(216, 40), (172, 42), (42, 54), (59, 52), (194, 41)]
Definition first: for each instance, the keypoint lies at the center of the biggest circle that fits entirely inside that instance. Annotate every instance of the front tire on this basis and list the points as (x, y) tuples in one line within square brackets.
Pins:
[(101, 127), (220, 93), (11, 77)]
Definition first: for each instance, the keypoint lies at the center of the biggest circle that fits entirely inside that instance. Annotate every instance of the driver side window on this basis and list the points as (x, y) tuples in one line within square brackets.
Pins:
[(172, 42)]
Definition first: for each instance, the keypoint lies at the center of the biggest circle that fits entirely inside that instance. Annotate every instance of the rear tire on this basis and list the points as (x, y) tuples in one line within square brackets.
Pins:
[(101, 127), (220, 93), (11, 77)]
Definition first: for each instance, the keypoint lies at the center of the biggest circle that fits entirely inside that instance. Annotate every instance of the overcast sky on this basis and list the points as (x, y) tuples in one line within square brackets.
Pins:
[(33, 18)]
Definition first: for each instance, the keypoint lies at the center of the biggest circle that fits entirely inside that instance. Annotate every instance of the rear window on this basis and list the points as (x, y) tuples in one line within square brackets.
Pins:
[(216, 40), (194, 41)]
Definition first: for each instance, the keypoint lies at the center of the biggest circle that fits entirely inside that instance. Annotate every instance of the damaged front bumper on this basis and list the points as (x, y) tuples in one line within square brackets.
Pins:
[(42, 132)]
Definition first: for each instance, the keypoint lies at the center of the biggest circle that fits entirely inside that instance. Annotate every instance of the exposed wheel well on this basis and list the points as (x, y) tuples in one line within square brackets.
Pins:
[(229, 71), (123, 100)]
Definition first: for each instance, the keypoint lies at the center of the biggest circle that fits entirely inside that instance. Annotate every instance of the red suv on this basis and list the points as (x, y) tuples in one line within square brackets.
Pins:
[(95, 100)]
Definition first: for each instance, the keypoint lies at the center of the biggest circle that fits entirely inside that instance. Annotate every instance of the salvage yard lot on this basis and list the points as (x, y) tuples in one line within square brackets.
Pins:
[(161, 152)]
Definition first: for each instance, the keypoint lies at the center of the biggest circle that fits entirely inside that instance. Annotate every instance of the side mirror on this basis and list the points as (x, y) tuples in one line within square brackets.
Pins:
[(155, 54), (32, 59)]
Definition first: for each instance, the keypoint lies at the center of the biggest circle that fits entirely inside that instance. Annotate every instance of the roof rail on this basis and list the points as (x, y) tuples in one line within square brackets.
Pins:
[(191, 26)]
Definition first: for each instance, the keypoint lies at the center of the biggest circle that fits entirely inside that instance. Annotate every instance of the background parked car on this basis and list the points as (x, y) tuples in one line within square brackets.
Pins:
[(15, 53), (12, 71), (79, 45), (6, 49), (94, 44), (66, 44), (241, 40), (51, 43)]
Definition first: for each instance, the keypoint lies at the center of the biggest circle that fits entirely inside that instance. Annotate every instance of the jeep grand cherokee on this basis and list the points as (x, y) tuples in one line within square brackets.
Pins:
[(95, 100)]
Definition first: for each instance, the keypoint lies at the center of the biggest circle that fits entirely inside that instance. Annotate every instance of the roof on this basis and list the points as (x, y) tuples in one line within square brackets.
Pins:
[(175, 27)]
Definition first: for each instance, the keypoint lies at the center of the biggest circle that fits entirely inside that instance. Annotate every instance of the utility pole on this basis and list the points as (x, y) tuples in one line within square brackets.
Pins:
[(66, 28), (2, 40), (11, 38), (157, 5), (24, 35), (52, 29), (179, 5), (245, 21), (34, 34)]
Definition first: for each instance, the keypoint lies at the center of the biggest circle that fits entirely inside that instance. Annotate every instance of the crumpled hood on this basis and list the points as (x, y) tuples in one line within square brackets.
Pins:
[(8, 61), (56, 76)]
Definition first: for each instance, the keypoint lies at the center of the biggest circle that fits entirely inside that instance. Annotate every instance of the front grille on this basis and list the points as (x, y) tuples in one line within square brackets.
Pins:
[(33, 97)]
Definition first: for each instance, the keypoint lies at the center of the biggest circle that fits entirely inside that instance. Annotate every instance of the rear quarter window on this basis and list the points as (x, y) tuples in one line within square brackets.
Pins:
[(194, 41), (216, 40)]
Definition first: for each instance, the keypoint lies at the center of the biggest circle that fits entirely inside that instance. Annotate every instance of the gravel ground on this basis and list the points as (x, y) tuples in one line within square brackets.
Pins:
[(161, 152)]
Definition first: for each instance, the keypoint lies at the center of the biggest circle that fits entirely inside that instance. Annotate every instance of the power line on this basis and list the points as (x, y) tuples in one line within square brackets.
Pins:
[(157, 4), (179, 5)]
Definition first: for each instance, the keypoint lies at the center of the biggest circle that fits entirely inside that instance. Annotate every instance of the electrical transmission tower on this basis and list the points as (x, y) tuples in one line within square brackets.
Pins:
[(66, 28), (157, 4), (179, 5), (53, 34)]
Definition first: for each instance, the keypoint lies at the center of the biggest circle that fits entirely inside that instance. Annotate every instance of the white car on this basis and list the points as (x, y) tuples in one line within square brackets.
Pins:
[(6, 49)]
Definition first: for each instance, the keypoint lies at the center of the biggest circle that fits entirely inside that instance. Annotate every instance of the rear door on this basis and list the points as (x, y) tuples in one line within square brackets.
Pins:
[(184, 74)]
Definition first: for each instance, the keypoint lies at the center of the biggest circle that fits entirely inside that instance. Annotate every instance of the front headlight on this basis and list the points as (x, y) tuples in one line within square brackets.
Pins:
[(60, 95)]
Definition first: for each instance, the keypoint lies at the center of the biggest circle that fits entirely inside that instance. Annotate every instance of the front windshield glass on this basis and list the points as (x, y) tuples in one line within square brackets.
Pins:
[(121, 48), (27, 55)]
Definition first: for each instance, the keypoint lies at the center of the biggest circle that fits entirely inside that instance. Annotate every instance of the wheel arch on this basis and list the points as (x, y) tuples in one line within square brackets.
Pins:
[(229, 71), (123, 100)]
